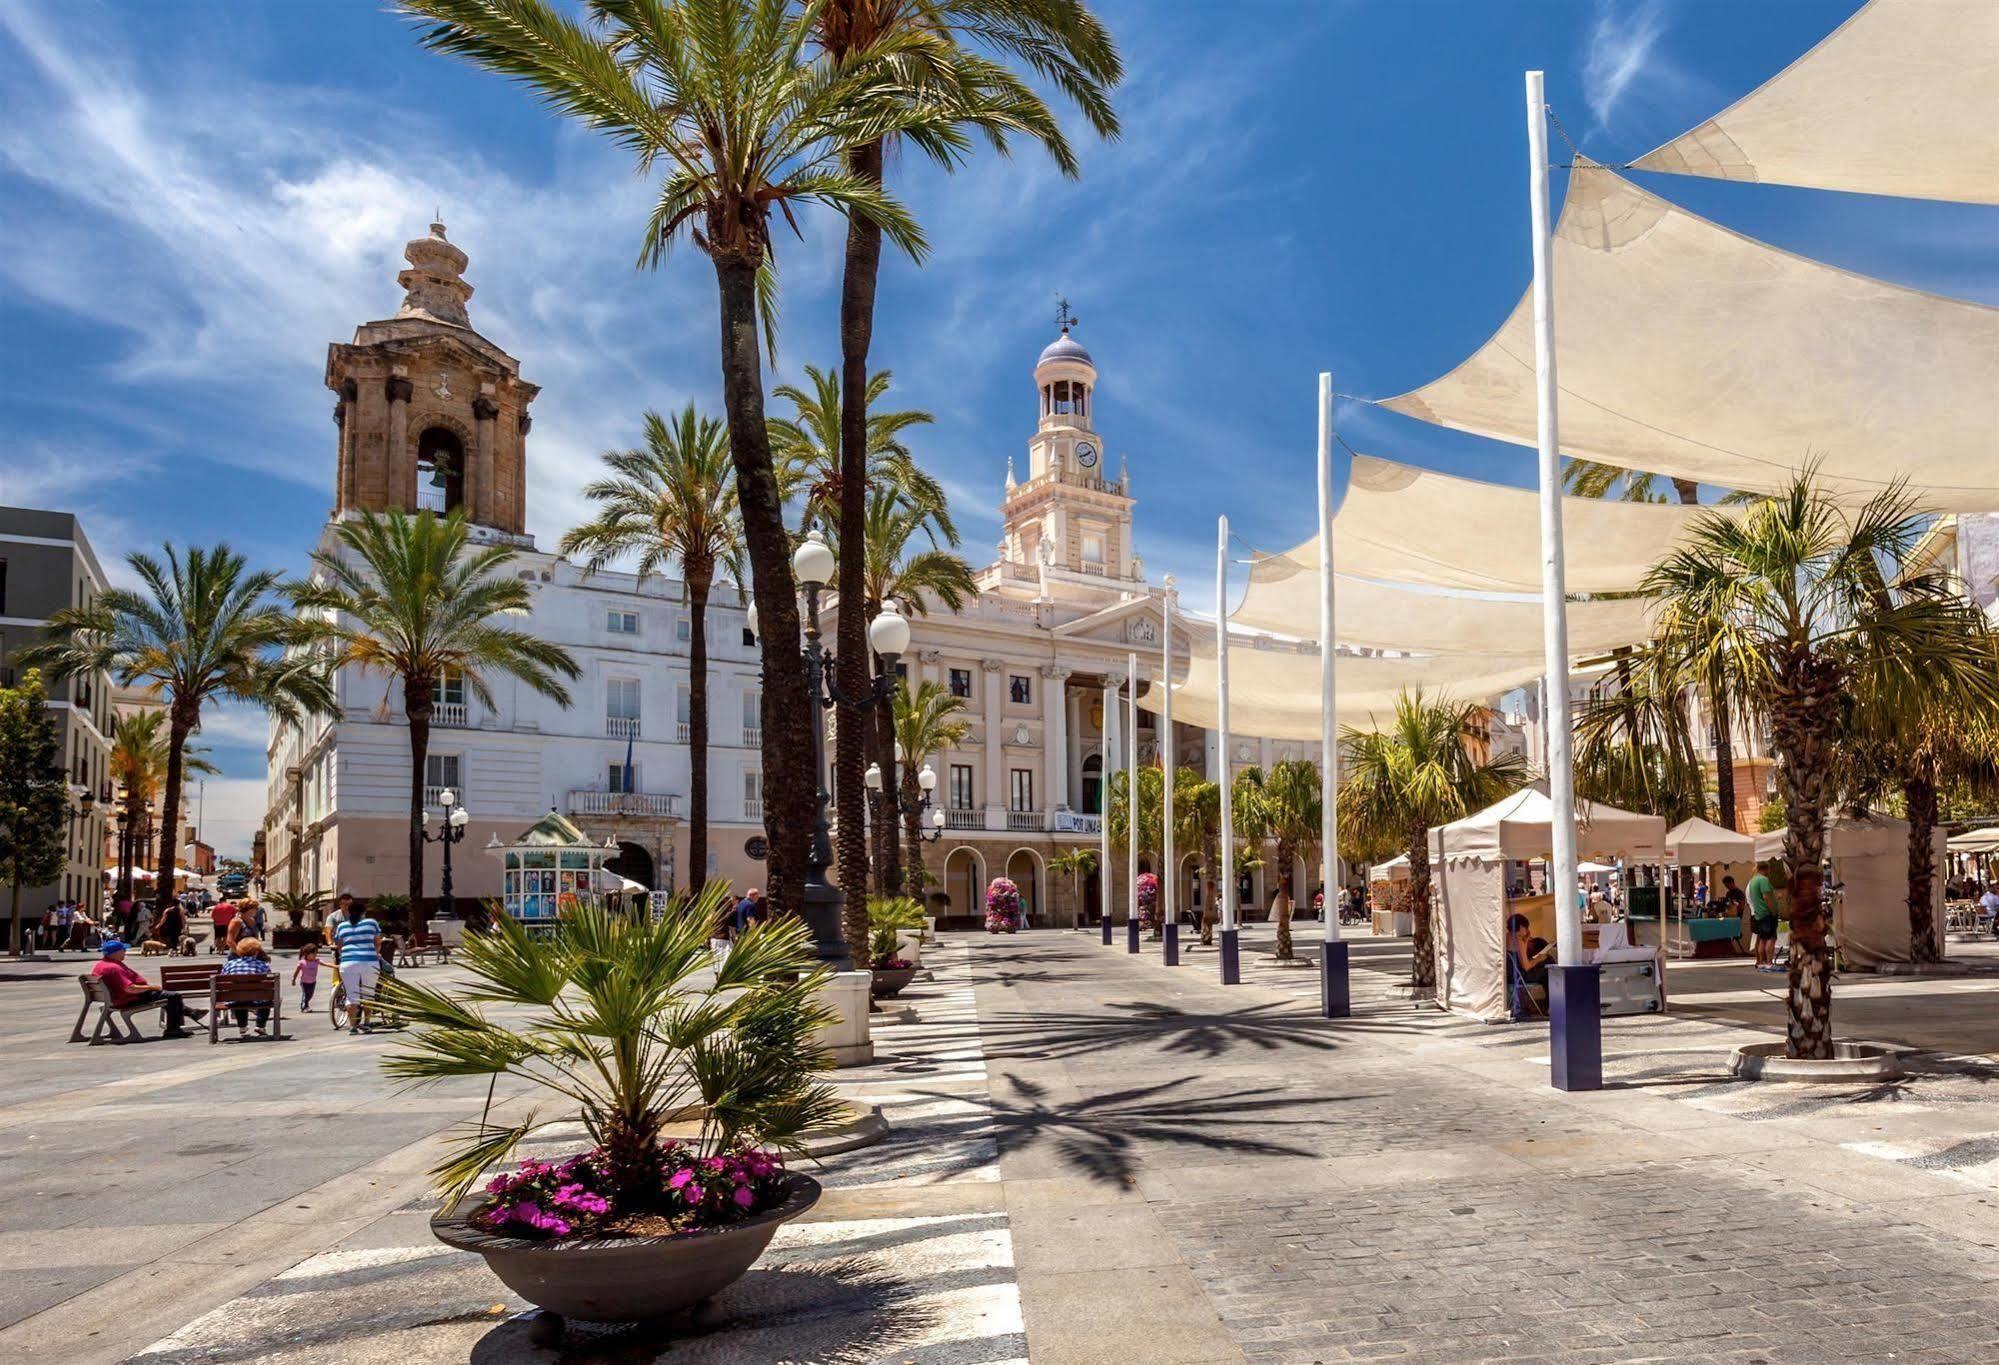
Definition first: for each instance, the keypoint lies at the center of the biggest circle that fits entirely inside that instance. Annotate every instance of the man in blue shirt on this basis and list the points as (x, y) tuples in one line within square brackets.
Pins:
[(358, 941), (749, 910)]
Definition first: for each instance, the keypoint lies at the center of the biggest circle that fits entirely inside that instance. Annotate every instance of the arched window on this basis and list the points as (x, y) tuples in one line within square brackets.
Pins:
[(1093, 785), (440, 470)]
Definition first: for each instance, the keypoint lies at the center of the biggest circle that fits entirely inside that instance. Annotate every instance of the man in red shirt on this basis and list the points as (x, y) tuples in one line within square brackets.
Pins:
[(127, 987), (224, 912)]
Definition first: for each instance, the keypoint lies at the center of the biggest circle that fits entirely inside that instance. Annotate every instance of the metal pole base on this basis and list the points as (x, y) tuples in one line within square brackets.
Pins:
[(1107, 931), (1335, 997), (1172, 937), (1575, 1027), (1131, 934), (1231, 958)]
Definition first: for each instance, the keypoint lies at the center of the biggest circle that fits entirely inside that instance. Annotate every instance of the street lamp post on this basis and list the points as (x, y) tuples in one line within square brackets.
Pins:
[(888, 635), (451, 831), (885, 800)]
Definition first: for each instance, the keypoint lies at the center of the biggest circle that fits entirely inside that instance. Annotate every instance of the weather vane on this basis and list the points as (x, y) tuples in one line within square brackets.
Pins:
[(1063, 317)]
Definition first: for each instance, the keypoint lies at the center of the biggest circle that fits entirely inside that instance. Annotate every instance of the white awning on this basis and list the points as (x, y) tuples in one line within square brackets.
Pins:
[(1976, 841), (1689, 350), (1692, 843), (1901, 99), (1522, 827)]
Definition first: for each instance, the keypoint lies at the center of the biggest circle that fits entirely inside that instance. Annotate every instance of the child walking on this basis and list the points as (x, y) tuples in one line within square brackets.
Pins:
[(306, 975)]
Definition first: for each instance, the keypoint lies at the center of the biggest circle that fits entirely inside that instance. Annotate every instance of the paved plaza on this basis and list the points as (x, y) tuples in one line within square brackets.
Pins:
[(1093, 1158)]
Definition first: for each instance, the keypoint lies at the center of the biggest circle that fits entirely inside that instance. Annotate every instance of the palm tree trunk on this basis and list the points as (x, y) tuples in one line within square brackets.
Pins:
[(1688, 492), (1724, 754), (790, 780), (1803, 724), (182, 716), (418, 696), (699, 581), (914, 876), (1422, 940), (852, 656), (1286, 856), (1919, 794), (1207, 901)]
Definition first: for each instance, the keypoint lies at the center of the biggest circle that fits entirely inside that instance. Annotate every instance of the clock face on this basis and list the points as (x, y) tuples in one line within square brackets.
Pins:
[(1086, 455)]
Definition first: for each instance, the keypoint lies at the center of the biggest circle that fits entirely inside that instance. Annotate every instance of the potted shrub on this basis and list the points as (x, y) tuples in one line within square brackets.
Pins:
[(391, 911), (889, 918), (1148, 904), (634, 1023), (1002, 907)]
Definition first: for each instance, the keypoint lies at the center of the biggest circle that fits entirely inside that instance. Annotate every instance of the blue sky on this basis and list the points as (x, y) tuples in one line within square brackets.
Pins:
[(200, 195)]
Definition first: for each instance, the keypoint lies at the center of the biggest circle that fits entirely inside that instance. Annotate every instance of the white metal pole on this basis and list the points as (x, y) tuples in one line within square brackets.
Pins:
[(1329, 820), (1225, 878), (1554, 611), (1131, 791), (1169, 880), (1112, 757)]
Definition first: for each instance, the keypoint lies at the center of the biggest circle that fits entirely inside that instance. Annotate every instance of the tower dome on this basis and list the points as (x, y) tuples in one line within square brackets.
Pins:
[(1065, 347)]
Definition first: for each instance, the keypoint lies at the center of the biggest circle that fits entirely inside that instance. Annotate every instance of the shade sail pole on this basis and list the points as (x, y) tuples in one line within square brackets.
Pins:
[(1169, 882), (1131, 798), (1334, 997), (1574, 1026), (1113, 756), (1225, 886)]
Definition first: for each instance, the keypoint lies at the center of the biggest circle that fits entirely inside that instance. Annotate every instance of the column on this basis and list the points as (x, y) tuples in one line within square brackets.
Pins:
[(1073, 749), (479, 490), (343, 417), (398, 462), (1055, 735), (516, 507), (993, 679)]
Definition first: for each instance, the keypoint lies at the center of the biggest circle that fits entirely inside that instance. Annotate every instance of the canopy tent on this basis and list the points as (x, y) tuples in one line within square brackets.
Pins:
[(1698, 843), (1394, 870), (1976, 841), (1901, 99), (1594, 867), (1470, 857), (1401, 524), (1388, 886), (1692, 351), (1374, 615), (1870, 876)]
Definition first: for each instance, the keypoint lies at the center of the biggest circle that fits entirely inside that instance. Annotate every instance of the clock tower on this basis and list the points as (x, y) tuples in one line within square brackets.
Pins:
[(1072, 514)]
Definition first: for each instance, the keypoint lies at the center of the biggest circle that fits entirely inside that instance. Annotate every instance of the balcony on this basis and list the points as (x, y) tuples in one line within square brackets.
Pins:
[(753, 736), (623, 727), (664, 805), (1075, 822), (1026, 821), (432, 795), (964, 819), (683, 731), (753, 808), (450, 715)]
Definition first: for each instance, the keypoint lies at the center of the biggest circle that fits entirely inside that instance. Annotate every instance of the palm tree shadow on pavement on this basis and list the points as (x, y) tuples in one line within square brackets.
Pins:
[(1207, 1034)]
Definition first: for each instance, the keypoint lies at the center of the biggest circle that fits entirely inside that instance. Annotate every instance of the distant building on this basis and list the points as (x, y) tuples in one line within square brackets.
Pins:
[(46, 564)]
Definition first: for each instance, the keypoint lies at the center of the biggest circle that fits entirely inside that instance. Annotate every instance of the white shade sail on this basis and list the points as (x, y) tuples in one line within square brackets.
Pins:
[(1692, 351), (1401, 524), (1901, 99), (1692, 843), (1373, 615)]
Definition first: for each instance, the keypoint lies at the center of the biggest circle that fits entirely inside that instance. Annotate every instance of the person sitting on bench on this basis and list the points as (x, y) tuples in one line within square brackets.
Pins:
[(127, 987)]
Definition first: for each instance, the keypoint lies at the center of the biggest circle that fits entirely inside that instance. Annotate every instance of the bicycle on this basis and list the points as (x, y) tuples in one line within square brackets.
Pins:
[(378, 1016)]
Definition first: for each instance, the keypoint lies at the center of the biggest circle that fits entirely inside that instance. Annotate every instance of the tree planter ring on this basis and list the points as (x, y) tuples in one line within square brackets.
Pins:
[(1859, 1063), (626, 1279)]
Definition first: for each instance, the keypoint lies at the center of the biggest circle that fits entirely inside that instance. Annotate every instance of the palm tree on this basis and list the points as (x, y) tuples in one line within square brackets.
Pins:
[(1197, 825), (137, 767), (1635, 744), (1147, 827), (412, 598), (927, 721), (1077, 863), (890, 573), (673, 502), (724, 98), (1592, 479), (1420, 771), (199, 627), (1281, 806), (1790, 596)]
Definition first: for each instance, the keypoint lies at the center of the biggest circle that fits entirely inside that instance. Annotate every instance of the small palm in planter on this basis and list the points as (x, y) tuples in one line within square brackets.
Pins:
[(634, 1023), (889, 917)]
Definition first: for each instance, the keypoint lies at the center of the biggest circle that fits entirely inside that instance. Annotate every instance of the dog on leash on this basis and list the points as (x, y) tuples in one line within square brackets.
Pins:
[(152, 947)]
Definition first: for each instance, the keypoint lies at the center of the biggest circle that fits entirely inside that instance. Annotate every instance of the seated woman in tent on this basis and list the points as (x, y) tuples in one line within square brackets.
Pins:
[(1531, 957)]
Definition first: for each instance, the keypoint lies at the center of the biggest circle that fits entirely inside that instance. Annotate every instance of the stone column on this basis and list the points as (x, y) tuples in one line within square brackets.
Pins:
[(399, 461), (1054, 735), (1073, 750), (516, 518), (479, 496), (346, 490), (993, 678)]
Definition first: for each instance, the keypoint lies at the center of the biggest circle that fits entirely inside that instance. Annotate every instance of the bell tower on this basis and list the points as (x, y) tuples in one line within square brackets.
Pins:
[(430, 413), (1071, 513)]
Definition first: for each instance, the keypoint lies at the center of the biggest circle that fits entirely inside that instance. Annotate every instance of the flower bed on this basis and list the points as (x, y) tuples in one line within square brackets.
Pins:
[(1002, 907), (548, 1201)]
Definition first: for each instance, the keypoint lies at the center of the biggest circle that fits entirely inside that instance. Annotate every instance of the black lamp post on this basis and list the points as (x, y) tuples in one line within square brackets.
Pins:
[(888, 635), (885, 800), (451, 831)]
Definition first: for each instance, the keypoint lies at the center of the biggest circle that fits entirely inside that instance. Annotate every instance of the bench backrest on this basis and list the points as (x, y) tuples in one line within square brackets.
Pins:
[(229, 989), (95, 988), (431, 941), (188, 976)]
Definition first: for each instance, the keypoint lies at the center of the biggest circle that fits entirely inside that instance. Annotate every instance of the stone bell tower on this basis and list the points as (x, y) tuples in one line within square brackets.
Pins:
[(431, 414)]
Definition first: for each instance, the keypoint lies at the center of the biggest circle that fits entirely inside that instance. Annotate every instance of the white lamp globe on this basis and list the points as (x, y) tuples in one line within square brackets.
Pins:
[(460, 818), (447, 798), (927, 778), (937, 818), (890, 632), (812, 562), (752, 621), (873, 777)]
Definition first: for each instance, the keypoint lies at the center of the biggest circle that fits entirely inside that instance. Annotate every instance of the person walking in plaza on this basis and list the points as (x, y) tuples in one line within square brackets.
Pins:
[(1988, 906), (248, 959), (1763, 918), (359, 956), (225, 911), (749, 910), (306, 975), (127, 987)]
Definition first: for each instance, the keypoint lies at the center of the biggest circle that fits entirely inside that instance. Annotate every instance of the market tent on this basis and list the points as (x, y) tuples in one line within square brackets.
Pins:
[(1470, 858), (1395, 869), (1976, 841), (1401, 524), (1901, 99), (1870, 873), (1693, 351), (1698, 843)]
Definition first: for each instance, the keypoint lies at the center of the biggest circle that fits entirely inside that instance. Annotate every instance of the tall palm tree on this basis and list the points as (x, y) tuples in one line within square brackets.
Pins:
[(1790, 595), (199, 627), (673, 502), (891, 573), (413, 599), (1421, 770), (1635, 743), (1592, 479), (1197, 827), (1281, 807), (137, 767), (1146, 825), (927, 721), (1076, 864), (725, 100)]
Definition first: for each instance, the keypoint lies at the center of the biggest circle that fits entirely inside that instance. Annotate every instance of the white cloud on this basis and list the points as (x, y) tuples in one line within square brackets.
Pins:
[(1622, 60)]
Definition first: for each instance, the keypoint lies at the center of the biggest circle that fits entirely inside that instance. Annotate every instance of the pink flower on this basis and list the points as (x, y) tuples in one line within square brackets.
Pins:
[(744, 1198)]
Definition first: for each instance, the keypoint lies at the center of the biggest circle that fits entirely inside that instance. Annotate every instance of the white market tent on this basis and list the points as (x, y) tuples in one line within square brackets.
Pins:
[(1702, 843), (1976, 841), (1388, 892), (1692, 351), (1901, 99), (1396, 869), (1469, 859), (1870, 872)]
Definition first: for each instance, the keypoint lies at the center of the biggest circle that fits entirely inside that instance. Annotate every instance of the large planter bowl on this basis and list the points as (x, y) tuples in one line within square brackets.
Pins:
[(626, 1279), (889, 981)]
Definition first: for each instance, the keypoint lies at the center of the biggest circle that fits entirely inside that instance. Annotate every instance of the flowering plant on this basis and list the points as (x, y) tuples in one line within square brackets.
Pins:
[(546, 1201), (1148, 900), (1002, 906)]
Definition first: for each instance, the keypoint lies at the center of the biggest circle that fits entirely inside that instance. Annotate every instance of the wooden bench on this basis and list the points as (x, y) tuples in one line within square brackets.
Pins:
[(419, 947), (227, 990), (97, 993), (191, 980)]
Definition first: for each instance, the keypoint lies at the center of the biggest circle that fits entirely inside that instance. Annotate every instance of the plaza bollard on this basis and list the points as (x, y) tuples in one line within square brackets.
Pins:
[(1335, 996), (1131, 934), (1171, 935), (1231, 958), (1107, 931), (1575, 1026)]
